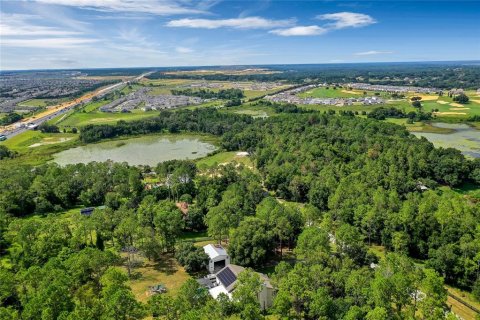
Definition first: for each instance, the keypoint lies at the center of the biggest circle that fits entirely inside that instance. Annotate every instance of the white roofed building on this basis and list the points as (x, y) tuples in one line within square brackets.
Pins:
[(218, 257)]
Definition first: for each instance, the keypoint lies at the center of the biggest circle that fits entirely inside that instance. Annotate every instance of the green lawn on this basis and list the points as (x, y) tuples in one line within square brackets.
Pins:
[(223, 157), (80, 119), (251, 110), (323, 92), (35, 147), (165, 270)]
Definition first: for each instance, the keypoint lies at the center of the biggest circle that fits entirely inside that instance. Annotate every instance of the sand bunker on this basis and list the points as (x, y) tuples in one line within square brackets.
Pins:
[(454, 104), (442, 102), (449, 113), (351, 92), (427, 97), (477, 101), (49, 141), (242, 154), (458, 109)]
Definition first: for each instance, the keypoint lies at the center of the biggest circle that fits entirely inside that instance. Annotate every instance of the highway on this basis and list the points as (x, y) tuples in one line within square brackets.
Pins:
[(52, 112)]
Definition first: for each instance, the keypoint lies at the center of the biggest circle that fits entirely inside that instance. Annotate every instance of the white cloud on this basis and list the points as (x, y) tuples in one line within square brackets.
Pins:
[(347, 20), (19, 25), (183, 50), (300, 31), (47, 43), (236, 23), (372, 52), (158, 7), (341, 20)]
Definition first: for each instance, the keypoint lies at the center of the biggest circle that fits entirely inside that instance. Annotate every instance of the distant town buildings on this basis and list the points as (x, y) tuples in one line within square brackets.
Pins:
[(252, 86), (388, 88), (290, 96), (147, 102), (18, 87)]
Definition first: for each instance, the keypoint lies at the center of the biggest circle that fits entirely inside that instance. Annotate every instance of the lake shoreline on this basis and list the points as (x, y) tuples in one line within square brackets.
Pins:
[(140, 149)]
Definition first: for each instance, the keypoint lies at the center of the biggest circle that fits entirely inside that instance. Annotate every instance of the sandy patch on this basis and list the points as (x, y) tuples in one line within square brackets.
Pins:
[(458, 109), (442, 102), (454, 104), (449, 113), (242, 154), (49, 141), (427, 97), (351, 92), (477, 101), (103, 120)]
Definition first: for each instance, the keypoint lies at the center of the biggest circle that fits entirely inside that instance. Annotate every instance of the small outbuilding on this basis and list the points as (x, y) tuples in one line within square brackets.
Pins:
[(218, 257)]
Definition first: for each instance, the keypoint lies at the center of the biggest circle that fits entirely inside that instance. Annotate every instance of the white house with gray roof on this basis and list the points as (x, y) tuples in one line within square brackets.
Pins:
[(224, 281)]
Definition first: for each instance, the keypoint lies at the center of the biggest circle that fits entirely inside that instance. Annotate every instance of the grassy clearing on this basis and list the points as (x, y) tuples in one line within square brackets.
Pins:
[(45, 145), (195, 236), (94, 105), (323, 92), (252, 110), (24, 141), (459, 308), (165, 270), (223, 158), (81, 119)]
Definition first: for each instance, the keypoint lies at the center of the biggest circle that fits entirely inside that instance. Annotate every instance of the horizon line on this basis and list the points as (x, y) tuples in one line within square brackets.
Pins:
[(244, 65)]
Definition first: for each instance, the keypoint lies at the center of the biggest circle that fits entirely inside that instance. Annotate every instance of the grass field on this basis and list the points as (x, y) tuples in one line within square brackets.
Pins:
[(35, 147), (165, 270), (323, 92), (251, 110), (80, 119), (223, 158), (460, 309)]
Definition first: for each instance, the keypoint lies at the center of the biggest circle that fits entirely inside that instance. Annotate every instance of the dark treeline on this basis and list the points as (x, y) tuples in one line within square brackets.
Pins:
[(381, 113), (6, 153), (440, 75), (10, 118), (205, 120), (227, 94)]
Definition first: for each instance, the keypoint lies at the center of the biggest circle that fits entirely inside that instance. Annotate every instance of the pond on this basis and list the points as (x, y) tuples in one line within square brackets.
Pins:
[(149, 150), (464, 138)]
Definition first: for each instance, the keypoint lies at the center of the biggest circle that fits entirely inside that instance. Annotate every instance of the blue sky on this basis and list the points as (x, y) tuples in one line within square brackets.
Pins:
[(38, 34)]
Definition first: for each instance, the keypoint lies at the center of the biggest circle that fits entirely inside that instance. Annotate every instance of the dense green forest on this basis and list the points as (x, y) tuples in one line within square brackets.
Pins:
[(445, 75), (345, 183), (201, 120)]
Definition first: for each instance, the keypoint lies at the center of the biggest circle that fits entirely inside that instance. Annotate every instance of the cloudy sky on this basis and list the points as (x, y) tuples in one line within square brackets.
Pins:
[(41, 34)]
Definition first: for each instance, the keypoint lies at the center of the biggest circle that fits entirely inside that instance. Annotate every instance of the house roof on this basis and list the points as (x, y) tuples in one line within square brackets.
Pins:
[(215, 291), (229, 274), (215, 251)]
